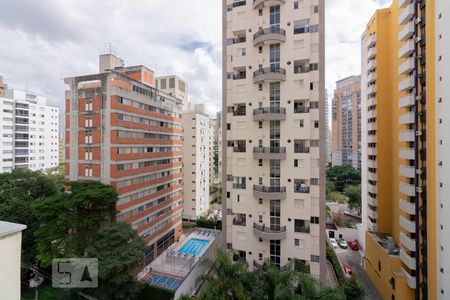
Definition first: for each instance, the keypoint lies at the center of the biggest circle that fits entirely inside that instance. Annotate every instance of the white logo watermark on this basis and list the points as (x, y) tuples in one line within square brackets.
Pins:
[(75, 272)]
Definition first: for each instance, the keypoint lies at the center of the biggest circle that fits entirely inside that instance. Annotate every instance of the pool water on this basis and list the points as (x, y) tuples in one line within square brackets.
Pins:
[(193, 247)]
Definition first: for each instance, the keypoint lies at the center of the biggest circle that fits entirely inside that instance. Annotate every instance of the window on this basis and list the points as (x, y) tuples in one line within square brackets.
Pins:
[(314, 181), (295, 4), (260, 162), (260, 50), (260, 124), (301, 26), (301, 226), (315, 9), (239, 146), (228, 126), (299, 243), (315, 258), (296, 163), (314, 220)]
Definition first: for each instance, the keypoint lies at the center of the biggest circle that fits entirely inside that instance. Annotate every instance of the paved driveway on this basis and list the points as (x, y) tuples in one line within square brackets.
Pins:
[(353, 259)]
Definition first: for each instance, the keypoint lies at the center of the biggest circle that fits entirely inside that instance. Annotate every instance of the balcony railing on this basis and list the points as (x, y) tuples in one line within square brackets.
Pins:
[(301, 110), (301, 149), (272, 232), (239, 112), (269, 74), (239, 222), (269, 113), (238, 76), (259, 3), (301, 189), (239, 186), (269, 192), (269, 150), (270, 34), (301, 69)]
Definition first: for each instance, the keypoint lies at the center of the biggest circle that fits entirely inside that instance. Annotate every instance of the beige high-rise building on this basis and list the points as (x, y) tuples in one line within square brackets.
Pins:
[(346, 123), (274, 131), (3, 87)]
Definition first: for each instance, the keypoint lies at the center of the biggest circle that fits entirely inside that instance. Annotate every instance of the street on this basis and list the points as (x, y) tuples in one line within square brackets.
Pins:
[(352, 258)]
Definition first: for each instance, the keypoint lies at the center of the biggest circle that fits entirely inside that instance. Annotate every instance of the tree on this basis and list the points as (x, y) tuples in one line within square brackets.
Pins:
[(120, 253), (354, 196), (342, 176), (353, 290), (223, 282), (69, 221), (19, 190)]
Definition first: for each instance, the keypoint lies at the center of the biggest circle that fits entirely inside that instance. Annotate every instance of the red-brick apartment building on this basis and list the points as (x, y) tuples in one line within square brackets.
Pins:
[(122, 131)]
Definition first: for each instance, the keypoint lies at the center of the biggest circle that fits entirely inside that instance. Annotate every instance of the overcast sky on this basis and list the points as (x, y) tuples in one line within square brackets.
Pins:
[(42, 42)]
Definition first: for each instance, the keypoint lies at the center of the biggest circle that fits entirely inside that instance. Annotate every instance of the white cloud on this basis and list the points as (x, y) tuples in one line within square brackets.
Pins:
[(44, 41)]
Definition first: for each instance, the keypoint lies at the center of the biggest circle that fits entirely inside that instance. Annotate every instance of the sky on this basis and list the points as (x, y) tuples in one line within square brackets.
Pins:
[(42, 42)]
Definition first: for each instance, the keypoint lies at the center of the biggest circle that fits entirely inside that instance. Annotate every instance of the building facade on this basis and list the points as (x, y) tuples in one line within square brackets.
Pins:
[(29, 132), (122, 131), (196, 152), (400, 191), (346, 123), (3, 87), (273, 125)]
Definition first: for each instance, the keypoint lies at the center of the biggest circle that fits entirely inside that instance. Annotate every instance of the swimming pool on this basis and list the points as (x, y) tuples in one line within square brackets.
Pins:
[(193, 246)]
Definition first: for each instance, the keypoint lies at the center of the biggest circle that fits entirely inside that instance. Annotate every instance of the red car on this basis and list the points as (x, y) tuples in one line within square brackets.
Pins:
[(353, 245)]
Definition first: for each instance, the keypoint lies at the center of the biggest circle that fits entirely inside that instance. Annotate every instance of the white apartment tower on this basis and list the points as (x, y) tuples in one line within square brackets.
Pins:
[(28, 131), (196, 151), (274, 131)]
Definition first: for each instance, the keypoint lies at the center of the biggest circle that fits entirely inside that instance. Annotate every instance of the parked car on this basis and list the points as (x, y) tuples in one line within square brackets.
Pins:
[(343, 244), (333, 243), (348, 270), (353, 245)]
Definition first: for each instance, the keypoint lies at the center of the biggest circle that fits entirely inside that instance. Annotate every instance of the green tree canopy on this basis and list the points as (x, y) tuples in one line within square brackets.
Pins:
[(69, 221), (342, 176), (354, 196)]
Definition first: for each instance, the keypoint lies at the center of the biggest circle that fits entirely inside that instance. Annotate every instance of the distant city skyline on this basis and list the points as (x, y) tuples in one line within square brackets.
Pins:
[(52, 40)]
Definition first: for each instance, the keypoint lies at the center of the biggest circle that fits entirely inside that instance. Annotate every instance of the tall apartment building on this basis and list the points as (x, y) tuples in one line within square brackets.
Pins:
[(219, 139), (3, 87), (122, 131), (212, 150), (174, 86), (405, 61), (196, 151), (28, 131), (346, 123), (273, 124), (327, 128)]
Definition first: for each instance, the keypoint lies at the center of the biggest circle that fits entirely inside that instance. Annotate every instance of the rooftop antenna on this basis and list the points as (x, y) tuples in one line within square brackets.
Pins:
[(110, 49)]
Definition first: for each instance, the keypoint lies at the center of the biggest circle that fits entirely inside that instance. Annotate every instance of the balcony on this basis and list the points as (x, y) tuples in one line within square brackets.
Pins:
[(372, 89), (371, 65), (372, 151), (409, 261), (239, 222), (372, 214), (372, 201), (405, 119), (407, 49), (408, 225), (407, 207), (372, 126), (406, 67), (301, 149), (269, 153), (372, 138), (260, 3), (407, 189), (269, 35), (301, 110), (406, 153), (372, 176), (372, 188), (371, 53), (406, 136), (410, 280), (407, 14), (269, 233), (403, 3), (240, 186), (406, 84), (406, 101), (269, 74), (372, 101), (371, 40), (301, 189), (269, 192), (372, 114), (407, 242), (371, 226), (407, 171), (371, 77), (372, 163), (407, 32), (269, 114)]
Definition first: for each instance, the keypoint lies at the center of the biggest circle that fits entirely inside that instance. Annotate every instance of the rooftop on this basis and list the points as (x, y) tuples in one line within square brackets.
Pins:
[(8, 228)]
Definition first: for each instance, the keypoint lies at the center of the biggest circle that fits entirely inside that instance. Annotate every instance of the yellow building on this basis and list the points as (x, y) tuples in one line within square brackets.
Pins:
[(398, 150)]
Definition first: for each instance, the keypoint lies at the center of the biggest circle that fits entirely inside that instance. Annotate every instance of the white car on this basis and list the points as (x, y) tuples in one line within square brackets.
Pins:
[(343, 244), (333, 243)]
